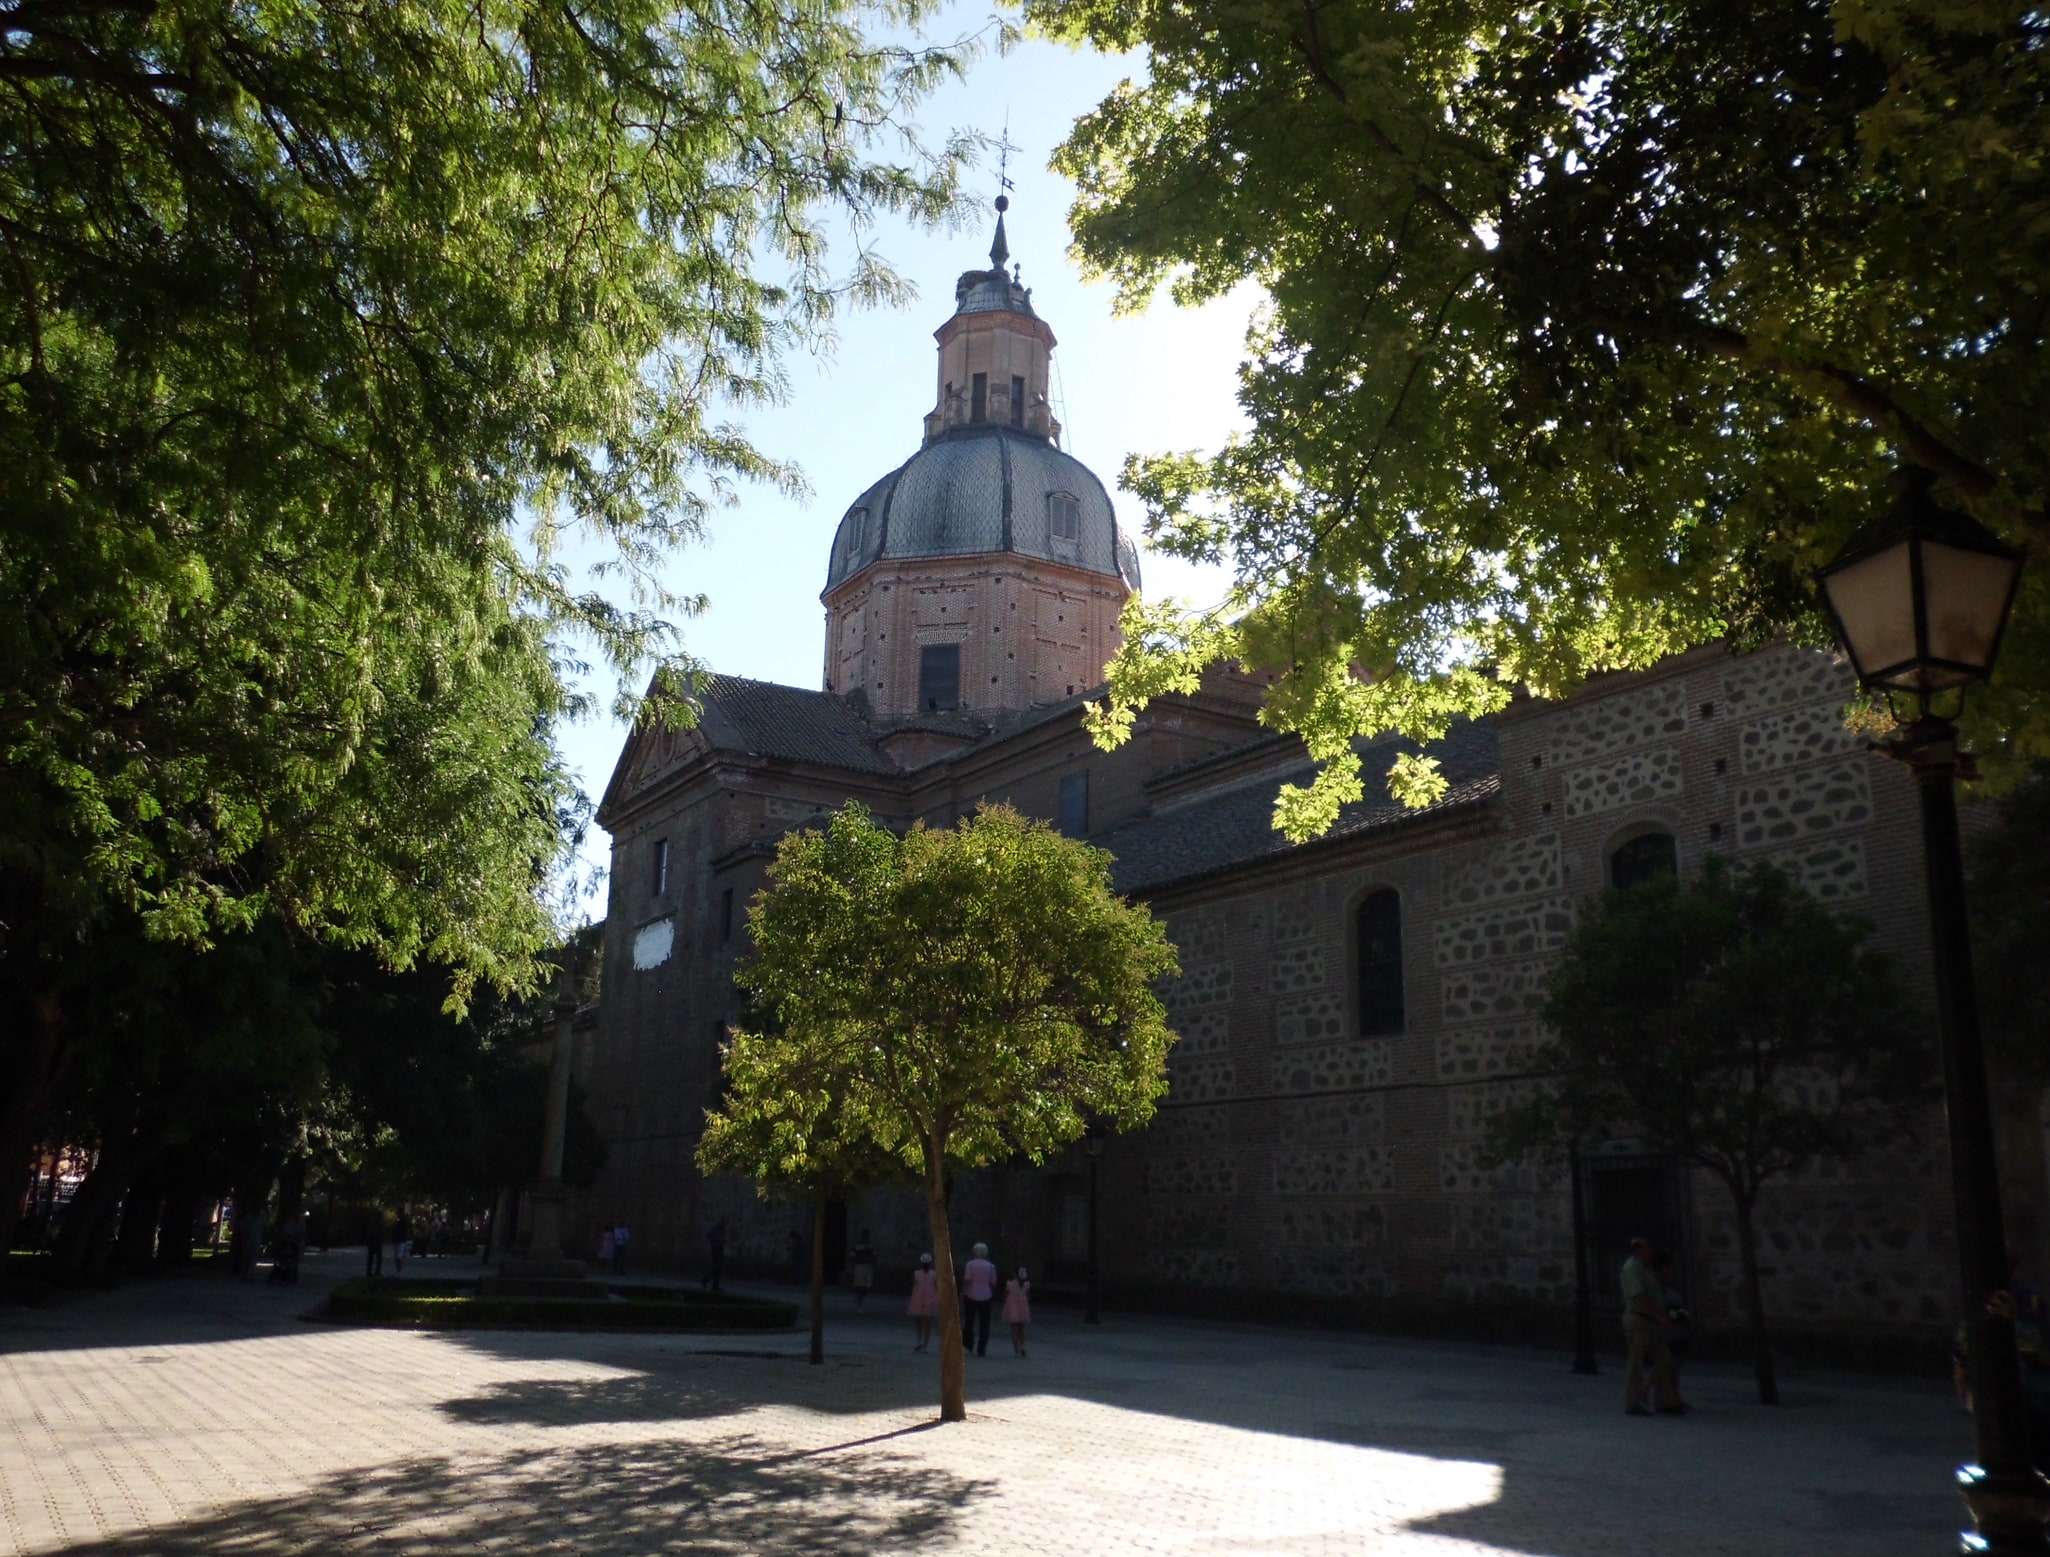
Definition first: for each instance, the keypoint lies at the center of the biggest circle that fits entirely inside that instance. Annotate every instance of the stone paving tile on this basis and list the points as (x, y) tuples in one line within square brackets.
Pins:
[(196, 1415)]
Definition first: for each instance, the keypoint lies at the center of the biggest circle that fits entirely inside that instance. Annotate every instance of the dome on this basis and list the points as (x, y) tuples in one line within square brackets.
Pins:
[(986, 488)]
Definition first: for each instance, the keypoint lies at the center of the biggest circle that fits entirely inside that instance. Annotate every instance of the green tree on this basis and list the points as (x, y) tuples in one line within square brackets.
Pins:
[(1591, 328), (958, 997), (1731, 1020), (322, 326), (782, 1125)]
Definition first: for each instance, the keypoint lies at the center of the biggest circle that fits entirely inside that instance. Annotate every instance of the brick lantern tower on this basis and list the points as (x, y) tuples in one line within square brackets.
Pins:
[(987, 571)]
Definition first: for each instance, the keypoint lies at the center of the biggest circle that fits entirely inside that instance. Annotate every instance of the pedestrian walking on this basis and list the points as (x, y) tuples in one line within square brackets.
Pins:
[(373, 1242), (620, 1237), (401, 1241), (924, 1306), (864, 1269), (978, 1290), (1644, 1334), (1018, 1309), (715, 1251)]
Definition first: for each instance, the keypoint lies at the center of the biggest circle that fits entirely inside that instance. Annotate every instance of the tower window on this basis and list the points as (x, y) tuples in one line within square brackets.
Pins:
[(1064, 517), (978, 398), (1380, 947), (1075, 804), (1639, 859), (659, 876), (939, 676), (1017, 401), (857, 532)]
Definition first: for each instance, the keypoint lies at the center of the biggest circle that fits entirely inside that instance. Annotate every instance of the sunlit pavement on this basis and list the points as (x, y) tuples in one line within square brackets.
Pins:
[(198, 1414)]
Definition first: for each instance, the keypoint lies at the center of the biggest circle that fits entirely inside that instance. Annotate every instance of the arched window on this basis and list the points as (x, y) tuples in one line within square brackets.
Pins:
[(1640, 858), (1379, 928)]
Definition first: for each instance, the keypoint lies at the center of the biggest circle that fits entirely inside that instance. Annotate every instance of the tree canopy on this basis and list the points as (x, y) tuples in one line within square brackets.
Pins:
[(1731, 1020), (308, 309), (956, 997), (1591, 330), (323, 326)]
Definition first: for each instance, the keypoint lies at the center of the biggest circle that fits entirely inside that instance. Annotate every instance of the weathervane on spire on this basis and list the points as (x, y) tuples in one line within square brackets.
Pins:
[(1000, 250)]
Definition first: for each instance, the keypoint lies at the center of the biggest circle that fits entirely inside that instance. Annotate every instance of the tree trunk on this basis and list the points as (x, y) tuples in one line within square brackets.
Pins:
[(135, 1246), (34, 1078), (953, 1364), (1754, 1300), (818, 1280)]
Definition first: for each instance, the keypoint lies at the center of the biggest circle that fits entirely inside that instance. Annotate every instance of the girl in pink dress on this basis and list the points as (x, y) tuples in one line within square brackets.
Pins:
[(924, 1306), (1018, 1309)]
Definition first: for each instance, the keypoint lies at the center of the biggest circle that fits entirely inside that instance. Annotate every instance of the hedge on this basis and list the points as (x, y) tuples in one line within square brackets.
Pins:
[(444, 1305)]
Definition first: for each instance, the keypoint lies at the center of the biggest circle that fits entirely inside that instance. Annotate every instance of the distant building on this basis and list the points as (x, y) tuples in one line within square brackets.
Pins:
[(1350, 1010)]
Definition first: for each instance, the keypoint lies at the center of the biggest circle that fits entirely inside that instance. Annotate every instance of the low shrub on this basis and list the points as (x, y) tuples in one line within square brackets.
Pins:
[(445, 1305)]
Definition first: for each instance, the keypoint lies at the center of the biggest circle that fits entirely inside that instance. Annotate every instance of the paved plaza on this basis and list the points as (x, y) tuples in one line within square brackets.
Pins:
[(198, 1415)]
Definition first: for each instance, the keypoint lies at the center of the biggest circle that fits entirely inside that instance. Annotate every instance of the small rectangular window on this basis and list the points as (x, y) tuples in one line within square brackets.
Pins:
[(1075, 804), (660, 881), (1064, 516), (1379, 929), (978, 398), (1017, 401), (726, 915), (939, 676)]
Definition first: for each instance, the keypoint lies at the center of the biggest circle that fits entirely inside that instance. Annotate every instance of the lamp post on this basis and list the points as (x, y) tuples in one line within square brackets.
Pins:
[(1919, 599), (1092, 1149), (1583, 1296)]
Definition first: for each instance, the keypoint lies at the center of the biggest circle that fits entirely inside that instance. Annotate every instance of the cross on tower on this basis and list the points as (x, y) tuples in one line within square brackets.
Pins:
[(1004, 150)]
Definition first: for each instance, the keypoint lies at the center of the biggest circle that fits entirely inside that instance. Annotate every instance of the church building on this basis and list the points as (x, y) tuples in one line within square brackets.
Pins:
[(1350, 1010)]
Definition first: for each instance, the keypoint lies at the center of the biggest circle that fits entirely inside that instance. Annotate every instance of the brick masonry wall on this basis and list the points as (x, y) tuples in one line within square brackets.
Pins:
[(1346, 1167), (1294, 1162)]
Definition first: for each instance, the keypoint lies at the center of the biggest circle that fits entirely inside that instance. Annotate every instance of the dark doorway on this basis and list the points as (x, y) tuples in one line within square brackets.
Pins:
[(1634, 1195), (836, 1240)]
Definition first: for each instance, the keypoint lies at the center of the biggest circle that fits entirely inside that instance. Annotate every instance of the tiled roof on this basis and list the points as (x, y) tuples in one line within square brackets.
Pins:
[(769, 720), (1236, 826)]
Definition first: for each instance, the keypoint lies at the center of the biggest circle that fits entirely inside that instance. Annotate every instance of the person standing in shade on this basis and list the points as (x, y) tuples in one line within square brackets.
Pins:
[(401, 1240), (978, 1289), (1018, 1309), (373, 1242), (715, 1250), (924, 1306), (1679, 1323), (620, 1235), (864, 1269), (1644, 1333)]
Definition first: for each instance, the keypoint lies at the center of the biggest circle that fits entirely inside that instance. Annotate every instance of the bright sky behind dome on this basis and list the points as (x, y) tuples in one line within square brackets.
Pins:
[(1163, 380)]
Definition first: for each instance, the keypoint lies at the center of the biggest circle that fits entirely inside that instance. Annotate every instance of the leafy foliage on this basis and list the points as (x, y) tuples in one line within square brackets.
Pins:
[(1733, 1021), (323, 328), (1591, 330), (950, 998), (304, 307), (2009, 899)]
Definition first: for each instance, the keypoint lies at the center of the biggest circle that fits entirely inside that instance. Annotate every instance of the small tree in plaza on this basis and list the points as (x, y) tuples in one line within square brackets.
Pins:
[(956, 997), (780, 1125), (1735, 1022)]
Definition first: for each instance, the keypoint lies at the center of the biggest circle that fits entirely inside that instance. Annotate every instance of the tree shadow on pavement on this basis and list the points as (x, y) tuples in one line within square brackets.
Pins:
[(731, 1494)]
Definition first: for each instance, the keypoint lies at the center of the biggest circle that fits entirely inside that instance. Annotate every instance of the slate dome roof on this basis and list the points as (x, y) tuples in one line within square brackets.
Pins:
[(983, 488)]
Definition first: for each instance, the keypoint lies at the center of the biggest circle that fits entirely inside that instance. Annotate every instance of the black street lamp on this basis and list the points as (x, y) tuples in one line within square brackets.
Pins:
[(1920, 598), (1092, 1149), (1583, 1295)]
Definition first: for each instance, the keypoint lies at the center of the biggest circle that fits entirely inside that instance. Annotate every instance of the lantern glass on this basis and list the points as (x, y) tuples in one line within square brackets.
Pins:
[(1874, 602), (1965, 598)]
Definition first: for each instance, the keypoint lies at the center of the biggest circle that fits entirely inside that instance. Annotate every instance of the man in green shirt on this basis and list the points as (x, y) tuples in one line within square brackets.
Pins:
[(1644, 1333)]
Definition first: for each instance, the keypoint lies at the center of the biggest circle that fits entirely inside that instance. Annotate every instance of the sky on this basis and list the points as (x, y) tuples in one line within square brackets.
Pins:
[(1161, 380)]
